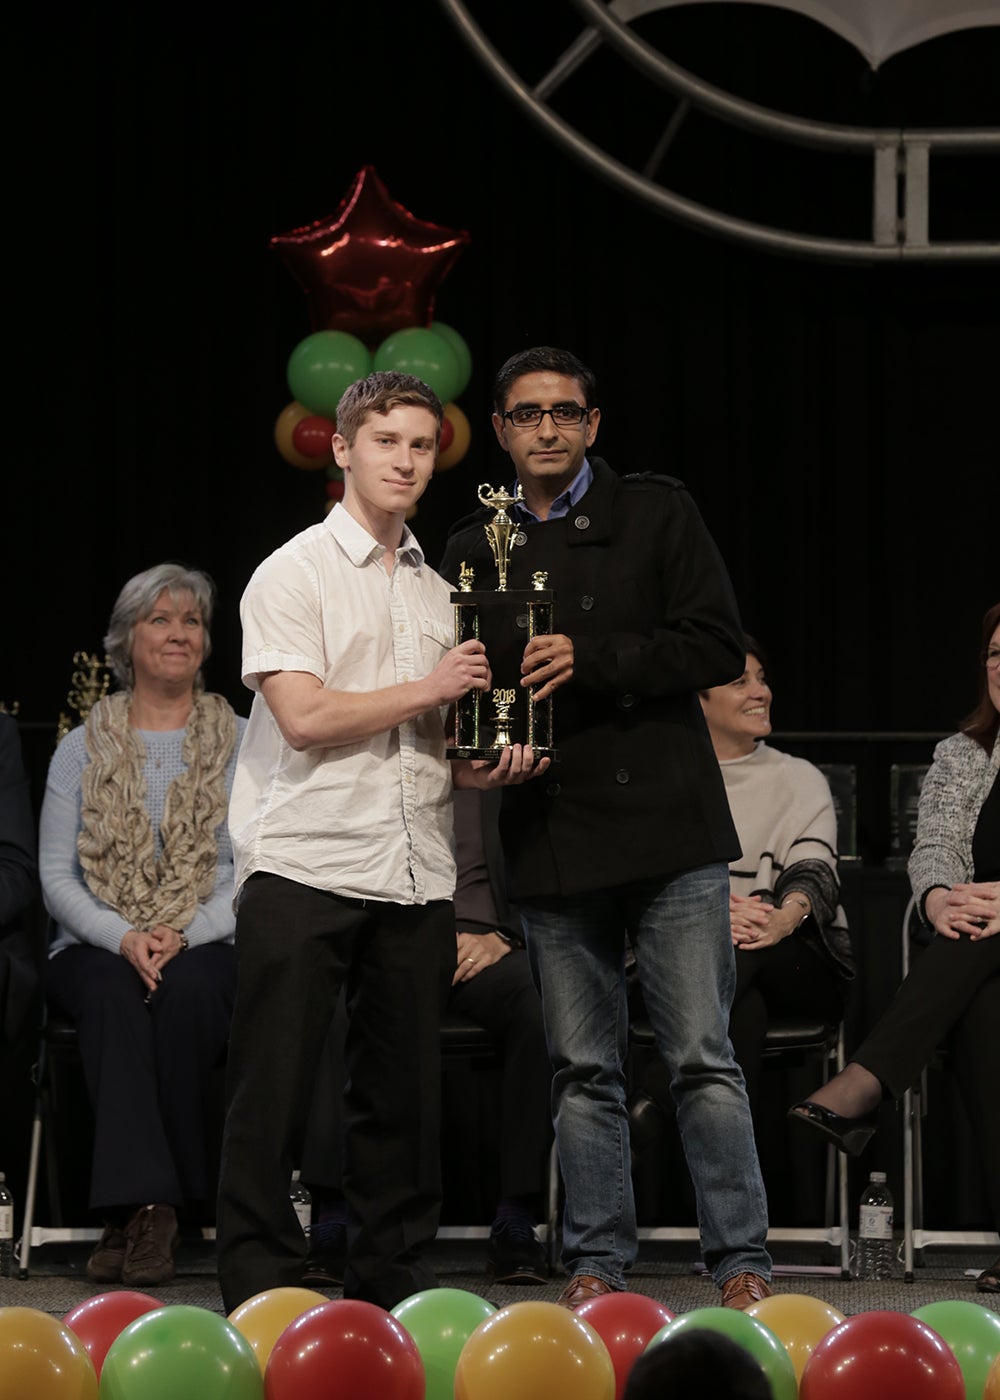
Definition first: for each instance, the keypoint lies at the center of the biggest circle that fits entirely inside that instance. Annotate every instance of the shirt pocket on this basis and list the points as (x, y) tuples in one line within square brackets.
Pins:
[(435, 638)]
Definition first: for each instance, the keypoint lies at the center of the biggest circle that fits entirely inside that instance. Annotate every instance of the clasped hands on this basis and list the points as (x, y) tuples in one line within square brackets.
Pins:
[(757, 924), (972, 910), (150, 952)]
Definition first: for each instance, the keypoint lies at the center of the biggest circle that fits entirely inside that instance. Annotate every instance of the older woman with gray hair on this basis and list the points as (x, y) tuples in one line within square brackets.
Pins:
[(137, 877)]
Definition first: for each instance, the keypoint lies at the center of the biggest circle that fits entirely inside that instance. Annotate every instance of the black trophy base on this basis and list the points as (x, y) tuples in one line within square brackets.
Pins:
[(491, 755)]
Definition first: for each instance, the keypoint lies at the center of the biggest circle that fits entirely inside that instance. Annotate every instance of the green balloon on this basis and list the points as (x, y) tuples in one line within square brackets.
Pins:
[(181, 1351), (462, 354), (763, 1345), (441, 1321), (970, 1331), (323, 365), (414, 350)]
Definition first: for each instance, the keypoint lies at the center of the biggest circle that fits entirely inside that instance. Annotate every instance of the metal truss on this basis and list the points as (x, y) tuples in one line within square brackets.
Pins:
[(899, 159)]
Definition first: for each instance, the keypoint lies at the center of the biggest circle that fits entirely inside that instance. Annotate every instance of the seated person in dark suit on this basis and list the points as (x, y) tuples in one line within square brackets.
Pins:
[(492, 987), (18, 885)]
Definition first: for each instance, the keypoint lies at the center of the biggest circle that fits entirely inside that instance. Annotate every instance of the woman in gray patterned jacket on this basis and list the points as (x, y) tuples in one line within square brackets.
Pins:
[(953, 987)]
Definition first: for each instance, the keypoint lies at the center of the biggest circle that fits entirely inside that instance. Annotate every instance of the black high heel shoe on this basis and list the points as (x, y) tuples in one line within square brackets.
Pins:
[(851, 1135)]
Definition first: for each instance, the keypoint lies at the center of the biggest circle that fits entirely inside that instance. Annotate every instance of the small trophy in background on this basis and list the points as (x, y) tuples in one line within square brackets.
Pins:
[(504, 619), (90, 683)]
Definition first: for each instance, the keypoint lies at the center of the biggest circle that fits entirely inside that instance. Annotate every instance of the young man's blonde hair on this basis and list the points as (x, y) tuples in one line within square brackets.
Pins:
[(381, 392)]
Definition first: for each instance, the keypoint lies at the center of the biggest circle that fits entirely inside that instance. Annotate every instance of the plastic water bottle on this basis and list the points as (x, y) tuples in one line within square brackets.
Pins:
[(302, 1201), (6, 1229), (873, 1259)]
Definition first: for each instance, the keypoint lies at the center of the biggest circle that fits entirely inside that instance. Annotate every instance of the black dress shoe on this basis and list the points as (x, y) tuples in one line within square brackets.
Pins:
[(327, 1255), (989, 1280), (849, 1134), (515, 1254)]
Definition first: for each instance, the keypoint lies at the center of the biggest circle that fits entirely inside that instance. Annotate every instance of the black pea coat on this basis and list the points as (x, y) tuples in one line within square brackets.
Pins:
[(642, 591)]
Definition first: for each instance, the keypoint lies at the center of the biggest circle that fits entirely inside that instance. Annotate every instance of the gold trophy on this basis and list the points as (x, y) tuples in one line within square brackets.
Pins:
[(504, 619)]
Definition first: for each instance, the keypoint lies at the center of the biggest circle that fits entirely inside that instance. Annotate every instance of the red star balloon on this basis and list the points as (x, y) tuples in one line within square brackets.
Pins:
[(371, 268)]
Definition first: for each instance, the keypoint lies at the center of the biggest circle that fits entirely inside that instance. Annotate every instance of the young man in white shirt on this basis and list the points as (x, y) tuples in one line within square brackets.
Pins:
[(342, 835)]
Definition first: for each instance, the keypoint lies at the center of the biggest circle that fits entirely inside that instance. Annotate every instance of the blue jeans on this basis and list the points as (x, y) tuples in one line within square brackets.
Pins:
[(679, 931)]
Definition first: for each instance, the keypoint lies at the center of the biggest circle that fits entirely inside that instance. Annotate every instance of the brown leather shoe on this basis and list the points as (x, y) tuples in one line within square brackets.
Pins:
[(108, 1256), (152, 1238), (743, 1290), (581, 1288)]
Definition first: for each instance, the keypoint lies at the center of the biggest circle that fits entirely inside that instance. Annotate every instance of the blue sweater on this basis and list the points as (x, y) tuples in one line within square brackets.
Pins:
[(77, 914)]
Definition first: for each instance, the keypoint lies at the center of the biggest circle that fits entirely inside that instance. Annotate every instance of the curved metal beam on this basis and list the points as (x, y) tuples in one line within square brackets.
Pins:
[(753, 117), (686, 211)]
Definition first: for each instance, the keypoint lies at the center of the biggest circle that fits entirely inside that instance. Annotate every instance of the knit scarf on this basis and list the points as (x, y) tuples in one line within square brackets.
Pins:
[(116, 844)]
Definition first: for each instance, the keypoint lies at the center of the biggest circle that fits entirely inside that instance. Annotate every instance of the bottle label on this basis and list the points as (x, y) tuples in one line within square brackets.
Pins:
[(875, 1222), (6, 1222)]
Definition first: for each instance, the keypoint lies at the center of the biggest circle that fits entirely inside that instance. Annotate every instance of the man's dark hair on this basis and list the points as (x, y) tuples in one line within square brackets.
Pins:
[(537, 360)]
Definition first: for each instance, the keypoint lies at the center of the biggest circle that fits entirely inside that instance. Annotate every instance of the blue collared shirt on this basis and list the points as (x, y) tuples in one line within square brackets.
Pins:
[(562, 504)]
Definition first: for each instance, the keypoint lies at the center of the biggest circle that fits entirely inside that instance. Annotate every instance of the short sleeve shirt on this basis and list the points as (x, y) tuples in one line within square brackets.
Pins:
[(369, 820)]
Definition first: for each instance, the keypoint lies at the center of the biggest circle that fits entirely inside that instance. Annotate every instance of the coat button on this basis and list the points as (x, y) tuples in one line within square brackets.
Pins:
[(622, 776), (521, 619), (553, 790), (586, 602), (520, 538), (627, 701), (582, 522)]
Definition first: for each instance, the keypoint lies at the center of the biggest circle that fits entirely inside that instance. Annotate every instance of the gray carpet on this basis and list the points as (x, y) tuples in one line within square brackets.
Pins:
[(667, 1272)]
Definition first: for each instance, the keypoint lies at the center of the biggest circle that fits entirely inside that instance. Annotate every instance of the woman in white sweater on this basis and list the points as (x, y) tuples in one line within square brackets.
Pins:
[(793, 950)]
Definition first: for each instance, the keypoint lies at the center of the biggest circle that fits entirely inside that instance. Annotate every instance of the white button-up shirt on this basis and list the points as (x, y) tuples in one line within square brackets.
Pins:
[(369, 820)]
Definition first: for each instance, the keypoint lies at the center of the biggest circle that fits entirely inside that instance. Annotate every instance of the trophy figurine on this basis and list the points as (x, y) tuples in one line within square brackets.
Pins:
[(504, 619)]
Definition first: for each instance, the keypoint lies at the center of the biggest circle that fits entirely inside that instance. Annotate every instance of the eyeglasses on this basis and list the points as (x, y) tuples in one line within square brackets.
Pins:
[(563, 415), (991, 659)]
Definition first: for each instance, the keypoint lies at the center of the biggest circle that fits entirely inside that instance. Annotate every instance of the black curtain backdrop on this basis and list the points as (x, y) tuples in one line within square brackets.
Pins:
[(836, 424)]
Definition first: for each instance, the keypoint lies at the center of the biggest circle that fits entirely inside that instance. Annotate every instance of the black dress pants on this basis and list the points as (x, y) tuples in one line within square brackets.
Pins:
[(295, 948), (148, 1068), (952, 988), (503, 1000)]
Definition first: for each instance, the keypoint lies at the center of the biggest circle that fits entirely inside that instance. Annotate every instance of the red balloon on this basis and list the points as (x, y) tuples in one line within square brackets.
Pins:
[(98, 1321), (879, 1355), (447, 434), (371, 267), (311, 436), (335, 490), (625, 1323), (345, 1348)]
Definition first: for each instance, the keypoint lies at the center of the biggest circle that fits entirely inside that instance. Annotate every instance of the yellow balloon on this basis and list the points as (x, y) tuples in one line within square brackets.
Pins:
[(991, 1390), (284, 427), (798, 1321), (461, 437), (42, 1359), (534, 1351), (263, 1318)]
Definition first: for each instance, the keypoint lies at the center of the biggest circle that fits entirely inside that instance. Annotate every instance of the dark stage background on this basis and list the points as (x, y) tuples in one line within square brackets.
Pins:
[(836, 424)]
